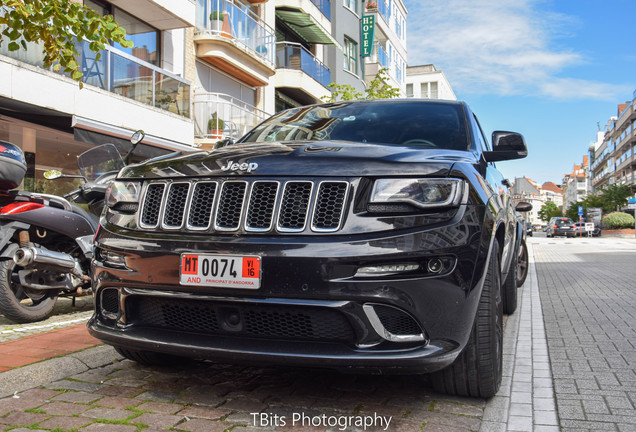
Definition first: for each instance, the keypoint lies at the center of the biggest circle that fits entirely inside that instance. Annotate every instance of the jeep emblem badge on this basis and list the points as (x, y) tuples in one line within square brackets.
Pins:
[(235, 166)]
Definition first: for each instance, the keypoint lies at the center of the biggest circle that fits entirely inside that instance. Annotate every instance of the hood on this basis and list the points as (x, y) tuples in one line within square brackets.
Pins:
[(306, 158)]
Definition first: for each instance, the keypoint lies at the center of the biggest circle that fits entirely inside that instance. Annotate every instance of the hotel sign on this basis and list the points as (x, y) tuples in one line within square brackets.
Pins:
[(368, 28)]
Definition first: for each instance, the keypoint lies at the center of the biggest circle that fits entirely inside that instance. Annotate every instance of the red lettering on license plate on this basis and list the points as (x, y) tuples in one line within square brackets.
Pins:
[(251, 267), (189, 264)]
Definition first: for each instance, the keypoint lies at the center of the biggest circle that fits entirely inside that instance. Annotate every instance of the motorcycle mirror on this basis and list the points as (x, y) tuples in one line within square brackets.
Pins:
[(137, 137), (52, 174)]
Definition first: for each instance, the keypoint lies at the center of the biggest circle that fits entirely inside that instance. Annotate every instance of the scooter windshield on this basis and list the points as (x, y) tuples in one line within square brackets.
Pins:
[(100, 160)]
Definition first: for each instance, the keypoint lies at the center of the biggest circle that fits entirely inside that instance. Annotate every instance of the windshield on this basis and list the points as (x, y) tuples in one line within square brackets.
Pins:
[(99, 160), (413, 123)]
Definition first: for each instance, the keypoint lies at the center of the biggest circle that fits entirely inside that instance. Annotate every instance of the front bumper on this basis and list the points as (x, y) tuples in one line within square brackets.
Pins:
[(312, 308)]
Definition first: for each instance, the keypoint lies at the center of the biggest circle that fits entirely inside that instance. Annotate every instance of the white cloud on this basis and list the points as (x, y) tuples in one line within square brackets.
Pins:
[(504, 47)]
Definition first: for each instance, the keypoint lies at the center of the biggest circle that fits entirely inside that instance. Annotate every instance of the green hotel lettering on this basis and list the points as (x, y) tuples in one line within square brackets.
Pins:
[(367, 27)]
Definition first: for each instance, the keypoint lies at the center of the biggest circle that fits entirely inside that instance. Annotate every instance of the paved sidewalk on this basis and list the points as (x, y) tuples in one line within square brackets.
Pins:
[(42, 346), (525, 401), (588, 290)]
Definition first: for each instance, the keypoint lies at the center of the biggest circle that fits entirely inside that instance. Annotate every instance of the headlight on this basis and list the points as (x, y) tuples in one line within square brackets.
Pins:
[(123, 195), (423, 193)]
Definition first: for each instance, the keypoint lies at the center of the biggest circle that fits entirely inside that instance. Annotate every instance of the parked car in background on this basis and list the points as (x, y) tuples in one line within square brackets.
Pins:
[(580, 230), (529, 229), (561, 226), (367, 235)]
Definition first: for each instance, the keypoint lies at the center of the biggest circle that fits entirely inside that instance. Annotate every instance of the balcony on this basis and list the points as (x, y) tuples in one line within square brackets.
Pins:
[(122, 74), (238, 117), (163, 14), (302, 74), (236, 41)]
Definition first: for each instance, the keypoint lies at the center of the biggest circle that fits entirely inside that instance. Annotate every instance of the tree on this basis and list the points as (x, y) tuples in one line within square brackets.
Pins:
[(615, 196), (379, 88), (58, 24), (548, 211)]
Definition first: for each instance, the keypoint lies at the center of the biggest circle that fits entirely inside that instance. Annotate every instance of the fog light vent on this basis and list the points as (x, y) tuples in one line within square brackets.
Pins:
[(393, 324), (396, 321), (110, 301)]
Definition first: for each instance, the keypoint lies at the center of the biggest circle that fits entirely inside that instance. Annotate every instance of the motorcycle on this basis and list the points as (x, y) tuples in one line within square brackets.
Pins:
[(46, 241)]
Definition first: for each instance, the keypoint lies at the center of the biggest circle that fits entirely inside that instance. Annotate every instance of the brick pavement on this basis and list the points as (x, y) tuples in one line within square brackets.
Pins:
[(41, 346), (588, 292)]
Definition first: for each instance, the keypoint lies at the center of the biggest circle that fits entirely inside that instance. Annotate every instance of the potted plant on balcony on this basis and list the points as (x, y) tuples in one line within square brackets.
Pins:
[(216, 20), (215, 127), (372, 5)]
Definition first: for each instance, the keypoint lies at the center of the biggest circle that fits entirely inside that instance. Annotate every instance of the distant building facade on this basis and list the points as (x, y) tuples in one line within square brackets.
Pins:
[(577, 185), (426, 82), (613, 156)]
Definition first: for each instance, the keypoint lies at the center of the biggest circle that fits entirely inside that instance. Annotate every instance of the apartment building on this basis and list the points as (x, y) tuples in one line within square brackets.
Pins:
[(551, 192), (234, 63), (577, 185), (389, 41), (426, 82), (613, 156), (145, 87), (199, 71), (527, 190)]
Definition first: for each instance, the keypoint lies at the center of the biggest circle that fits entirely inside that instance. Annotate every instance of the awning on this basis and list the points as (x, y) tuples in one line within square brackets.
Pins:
[(306, 27)]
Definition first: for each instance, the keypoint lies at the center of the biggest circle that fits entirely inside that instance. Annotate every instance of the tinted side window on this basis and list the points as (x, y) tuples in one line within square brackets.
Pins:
[(481, 139)]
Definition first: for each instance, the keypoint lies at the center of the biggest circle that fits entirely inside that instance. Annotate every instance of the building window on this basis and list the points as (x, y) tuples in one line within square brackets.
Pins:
[(434, 94), (351, 4), (409, 90), (144, 37), (424, 91), (350, 55)]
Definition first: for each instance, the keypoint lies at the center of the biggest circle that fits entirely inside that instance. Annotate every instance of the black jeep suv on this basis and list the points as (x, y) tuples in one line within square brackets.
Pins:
[(371, 235)]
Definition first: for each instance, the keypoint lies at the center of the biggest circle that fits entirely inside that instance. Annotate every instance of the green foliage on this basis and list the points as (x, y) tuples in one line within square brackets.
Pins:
[(57, 23), (215, 123), (379, 88), (618, 220), (548, 211), (217, 16), (615, 196)]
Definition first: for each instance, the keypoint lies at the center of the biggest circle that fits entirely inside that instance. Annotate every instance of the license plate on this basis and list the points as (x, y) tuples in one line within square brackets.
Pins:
[(224, 271)]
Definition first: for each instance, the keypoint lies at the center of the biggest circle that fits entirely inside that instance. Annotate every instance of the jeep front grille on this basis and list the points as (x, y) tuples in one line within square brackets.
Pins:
[(291, 206)]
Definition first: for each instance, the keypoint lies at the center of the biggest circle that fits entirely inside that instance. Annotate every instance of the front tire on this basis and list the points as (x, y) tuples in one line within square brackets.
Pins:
[(478, 369), (509, 290), (20, 304), (522, 264)]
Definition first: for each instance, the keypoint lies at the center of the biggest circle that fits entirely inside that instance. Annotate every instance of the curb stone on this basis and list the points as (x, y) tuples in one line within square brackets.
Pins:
[(55, 369)]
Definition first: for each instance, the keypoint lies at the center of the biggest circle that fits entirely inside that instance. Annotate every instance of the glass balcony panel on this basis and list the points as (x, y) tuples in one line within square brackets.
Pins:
[(129, 77), (224, 18), (294, 56), (324, 6), (383, 59), (172, 95), (238, 117)]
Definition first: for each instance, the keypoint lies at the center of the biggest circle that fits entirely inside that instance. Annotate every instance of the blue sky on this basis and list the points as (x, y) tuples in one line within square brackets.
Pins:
[(550, 69)]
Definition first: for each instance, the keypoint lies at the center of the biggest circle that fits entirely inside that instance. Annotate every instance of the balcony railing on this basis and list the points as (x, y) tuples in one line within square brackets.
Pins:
[(324, 6), (225, 19), (291, 55), (383, 8), (238, 117), (122, 74)]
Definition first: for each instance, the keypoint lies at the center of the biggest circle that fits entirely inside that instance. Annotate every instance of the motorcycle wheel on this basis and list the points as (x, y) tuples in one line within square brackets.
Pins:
[(19, 304)]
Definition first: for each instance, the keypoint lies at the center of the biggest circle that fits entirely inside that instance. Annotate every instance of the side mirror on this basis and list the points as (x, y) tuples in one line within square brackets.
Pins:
[(523, 207), (137, 137), (506, 146), (52, 174)]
